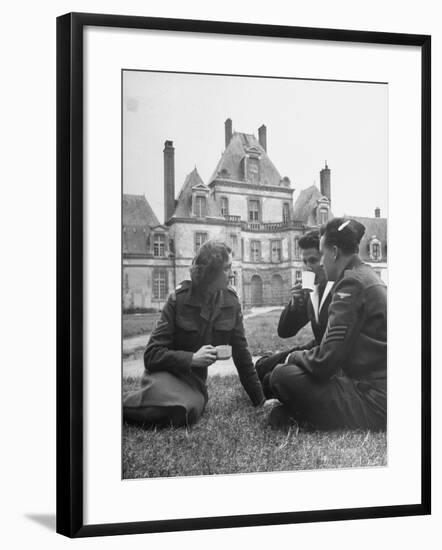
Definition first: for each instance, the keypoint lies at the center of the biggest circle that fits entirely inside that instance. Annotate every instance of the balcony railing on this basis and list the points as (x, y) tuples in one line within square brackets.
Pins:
[(229, 218), (271, 226)]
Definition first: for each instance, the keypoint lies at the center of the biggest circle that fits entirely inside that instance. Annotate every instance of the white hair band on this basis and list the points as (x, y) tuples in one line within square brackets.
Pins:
[(341, 227)]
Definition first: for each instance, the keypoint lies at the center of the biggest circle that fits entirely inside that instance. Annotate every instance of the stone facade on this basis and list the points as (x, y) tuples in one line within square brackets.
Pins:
[(245, 203)]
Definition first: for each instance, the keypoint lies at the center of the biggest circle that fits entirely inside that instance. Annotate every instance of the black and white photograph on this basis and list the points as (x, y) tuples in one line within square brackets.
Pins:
[(254, 274)]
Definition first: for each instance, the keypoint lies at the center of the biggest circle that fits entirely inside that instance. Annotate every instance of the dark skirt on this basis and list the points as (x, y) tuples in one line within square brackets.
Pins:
[(165, 400)]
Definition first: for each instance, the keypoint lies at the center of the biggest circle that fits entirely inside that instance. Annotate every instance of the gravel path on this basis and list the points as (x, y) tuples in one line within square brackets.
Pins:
[(134, 367)]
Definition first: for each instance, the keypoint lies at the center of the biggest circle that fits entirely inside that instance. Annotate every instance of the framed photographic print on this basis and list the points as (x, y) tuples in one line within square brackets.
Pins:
[(239, 206)]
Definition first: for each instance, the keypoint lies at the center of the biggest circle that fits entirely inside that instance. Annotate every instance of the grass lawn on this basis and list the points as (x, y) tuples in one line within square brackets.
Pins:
[(140, 323), (262, 338), (234, 437)]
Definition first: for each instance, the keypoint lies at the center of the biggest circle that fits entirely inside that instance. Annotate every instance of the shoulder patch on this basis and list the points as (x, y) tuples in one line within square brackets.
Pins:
[(184, 285)]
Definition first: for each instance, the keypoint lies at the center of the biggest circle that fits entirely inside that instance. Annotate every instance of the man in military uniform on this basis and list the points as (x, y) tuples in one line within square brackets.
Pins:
[(183, 346), (305, 306), (342, 382)]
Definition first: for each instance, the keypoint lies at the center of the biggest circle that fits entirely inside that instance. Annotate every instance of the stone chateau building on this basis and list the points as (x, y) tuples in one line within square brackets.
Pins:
[(246, 203)]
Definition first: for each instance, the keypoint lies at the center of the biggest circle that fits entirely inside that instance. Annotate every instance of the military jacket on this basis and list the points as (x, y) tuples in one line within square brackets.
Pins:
[(186, 324), (297, 315), (355, 340)]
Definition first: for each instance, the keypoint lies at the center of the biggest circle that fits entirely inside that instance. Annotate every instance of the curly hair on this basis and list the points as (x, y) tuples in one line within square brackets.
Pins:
[(208, 263), (344, 233), (309, 240)]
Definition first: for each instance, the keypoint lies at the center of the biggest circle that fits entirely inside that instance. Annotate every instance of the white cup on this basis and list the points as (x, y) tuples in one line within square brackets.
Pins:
[(223, 352), (308, 280)]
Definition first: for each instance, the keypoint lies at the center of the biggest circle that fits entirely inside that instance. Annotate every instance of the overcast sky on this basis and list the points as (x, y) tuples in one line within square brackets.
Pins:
[(308, 123)]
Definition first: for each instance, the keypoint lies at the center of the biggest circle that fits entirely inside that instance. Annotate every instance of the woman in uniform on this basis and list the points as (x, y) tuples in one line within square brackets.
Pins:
[(342, 382), (202, 313)]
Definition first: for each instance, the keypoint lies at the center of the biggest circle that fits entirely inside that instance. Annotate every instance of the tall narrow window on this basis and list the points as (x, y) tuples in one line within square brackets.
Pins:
[(297, 249), (253, 210), (159, 244), (224, 206), (285, 212), (159, 290), (200, 206), (234, 244), (323, 216), (376, 251), (276, 250), (200, 238), (255, 251)]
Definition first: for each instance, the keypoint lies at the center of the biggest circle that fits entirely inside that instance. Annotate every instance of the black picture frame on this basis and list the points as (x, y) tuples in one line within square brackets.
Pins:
[(70, 240)]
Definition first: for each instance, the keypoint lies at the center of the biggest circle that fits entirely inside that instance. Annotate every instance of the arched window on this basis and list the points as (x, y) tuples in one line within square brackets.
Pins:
[(277, 287), (375, 249)]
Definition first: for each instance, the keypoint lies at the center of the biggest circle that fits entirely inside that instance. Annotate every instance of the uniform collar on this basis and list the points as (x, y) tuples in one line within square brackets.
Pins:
[(354, 261), (224, 299)]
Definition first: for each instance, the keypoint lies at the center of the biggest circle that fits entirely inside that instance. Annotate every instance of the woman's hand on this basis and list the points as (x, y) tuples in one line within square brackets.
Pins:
[(204, 357)]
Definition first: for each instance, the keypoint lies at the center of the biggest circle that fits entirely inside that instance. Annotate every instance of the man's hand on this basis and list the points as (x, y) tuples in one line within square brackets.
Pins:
[(299, 295), (204, 357)]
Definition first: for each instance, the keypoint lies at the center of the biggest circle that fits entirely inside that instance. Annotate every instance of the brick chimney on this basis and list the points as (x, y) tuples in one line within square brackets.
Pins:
[(262, 135), (169, 180), (377, 212), (325, 181), (228, 130)]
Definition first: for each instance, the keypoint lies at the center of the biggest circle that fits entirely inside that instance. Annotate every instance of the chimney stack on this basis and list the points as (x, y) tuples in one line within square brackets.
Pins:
[(377, 212), (262, 134), (228, 130), (325, 181), (169, 180)]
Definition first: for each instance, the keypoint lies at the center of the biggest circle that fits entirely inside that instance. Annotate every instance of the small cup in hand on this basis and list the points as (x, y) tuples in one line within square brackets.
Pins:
[(223, 352), (308, 280)]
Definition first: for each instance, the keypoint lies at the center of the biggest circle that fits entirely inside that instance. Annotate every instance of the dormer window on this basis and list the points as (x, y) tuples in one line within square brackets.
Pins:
[(200, 206), (322, 216), (224, 206), (159, 245), (251, 165), (375, 249)]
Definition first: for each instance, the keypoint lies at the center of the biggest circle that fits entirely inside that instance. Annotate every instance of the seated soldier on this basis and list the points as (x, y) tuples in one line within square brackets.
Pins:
[(341, 382), (201, 314), (304, 307)]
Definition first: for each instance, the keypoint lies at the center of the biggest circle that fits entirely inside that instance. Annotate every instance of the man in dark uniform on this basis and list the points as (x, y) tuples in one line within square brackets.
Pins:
[(182, 346), (342, 382), (304, 307)]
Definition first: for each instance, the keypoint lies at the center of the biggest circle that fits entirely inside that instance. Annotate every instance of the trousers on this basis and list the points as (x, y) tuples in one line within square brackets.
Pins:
[(340, 402)]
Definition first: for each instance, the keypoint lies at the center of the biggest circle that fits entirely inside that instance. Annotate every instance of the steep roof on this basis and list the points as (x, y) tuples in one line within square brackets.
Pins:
[(137, 211), (229, 165), (184, 202), (305, 205), (135, 239), (373, 227)]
